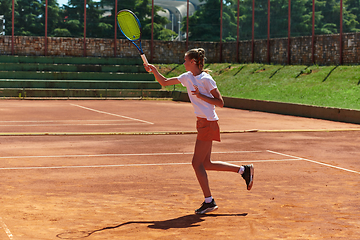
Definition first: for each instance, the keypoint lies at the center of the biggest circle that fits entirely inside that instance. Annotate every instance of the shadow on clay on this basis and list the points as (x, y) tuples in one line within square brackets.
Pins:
[(186, 221)]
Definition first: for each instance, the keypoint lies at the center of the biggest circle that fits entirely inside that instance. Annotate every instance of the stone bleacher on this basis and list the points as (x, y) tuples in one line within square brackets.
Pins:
[(75, 77)]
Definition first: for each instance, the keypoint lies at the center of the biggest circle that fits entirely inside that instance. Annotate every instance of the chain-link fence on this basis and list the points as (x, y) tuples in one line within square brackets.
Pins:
[(187, 20)]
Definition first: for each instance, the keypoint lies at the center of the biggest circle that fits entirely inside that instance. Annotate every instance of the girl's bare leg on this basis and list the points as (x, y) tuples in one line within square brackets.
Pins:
[(202, 149), (202, 162), (220, 166)]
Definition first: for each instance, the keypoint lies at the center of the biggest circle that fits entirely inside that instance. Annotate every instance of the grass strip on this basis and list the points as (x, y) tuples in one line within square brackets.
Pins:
[(323, 86)]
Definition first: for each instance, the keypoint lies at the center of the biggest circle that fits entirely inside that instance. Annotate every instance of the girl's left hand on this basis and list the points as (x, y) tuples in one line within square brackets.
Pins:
[(148, 68), (196, 91)]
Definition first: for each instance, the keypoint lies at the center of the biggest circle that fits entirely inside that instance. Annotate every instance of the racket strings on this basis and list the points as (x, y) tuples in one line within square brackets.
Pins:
[(129, 26)]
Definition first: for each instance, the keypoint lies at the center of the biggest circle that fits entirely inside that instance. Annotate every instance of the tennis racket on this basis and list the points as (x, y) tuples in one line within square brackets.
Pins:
[(130, 26)]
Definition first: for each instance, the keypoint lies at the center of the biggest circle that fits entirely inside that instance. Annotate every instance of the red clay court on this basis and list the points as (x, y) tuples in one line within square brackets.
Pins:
[(121, 169)]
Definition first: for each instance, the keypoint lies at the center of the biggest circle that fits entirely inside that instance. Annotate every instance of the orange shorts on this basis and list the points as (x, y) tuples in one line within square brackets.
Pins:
[(207, 130)]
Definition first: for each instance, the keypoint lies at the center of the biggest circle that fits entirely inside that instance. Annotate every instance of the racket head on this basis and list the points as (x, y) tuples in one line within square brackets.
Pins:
[(129, 24)]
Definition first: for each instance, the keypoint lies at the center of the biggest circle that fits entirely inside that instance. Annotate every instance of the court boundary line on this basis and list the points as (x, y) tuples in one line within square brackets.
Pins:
[(59, 125), (120, 154), (170, 132), (65, 120), (112, 114), (136, 165), (312, 161), (291, 158), (6, 229), (74, 122)]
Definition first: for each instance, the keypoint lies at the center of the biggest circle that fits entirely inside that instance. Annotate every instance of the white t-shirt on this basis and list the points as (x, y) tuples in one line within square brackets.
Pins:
[(205, 84)]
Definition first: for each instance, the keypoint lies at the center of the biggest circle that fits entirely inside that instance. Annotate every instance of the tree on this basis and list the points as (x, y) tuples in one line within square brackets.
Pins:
[(204, 25), (229, 20), (301, 18), (74, 19), (330, 10), (54, 16), (5, 9), (352, 12), (27, 18), (142, 10), (245, 24), (353, 6)]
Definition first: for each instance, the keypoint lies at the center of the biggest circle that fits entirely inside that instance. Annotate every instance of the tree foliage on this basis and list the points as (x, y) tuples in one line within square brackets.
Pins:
[(68, 20), (204, 25)]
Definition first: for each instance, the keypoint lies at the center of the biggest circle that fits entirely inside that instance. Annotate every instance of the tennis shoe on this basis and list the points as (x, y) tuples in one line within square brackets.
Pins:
[(248, 175), (207, 207)]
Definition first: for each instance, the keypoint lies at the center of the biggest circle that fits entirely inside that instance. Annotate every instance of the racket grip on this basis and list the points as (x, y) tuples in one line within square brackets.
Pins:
[(144, 59)]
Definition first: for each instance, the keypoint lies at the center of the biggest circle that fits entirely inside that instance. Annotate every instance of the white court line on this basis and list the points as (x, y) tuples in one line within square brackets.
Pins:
[(120, 155), (112, 114), (134, 165), (292, 158), (57, 121), (54, 125), (266, 160), (6, 229), (320, 163)]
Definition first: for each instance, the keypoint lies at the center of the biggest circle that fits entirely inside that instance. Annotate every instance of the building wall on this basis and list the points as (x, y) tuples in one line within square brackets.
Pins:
[(326, 49)]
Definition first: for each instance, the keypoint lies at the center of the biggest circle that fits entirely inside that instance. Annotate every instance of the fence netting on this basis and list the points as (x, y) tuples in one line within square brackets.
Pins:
[(244, 18)]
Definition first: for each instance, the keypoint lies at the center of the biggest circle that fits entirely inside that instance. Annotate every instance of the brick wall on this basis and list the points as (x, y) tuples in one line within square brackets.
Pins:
[(326, 49)]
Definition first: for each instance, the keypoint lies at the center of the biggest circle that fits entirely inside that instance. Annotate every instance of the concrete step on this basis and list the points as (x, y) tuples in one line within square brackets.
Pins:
[(78, 84), (76, 76), (70, 60), (71, 67), (82, 93)]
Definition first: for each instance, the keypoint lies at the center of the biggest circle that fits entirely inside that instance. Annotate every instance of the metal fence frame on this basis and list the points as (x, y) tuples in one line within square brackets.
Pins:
[(221, 27)]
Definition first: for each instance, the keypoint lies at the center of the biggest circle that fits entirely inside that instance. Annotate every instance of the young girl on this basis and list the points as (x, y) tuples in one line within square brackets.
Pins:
[(204, 96)]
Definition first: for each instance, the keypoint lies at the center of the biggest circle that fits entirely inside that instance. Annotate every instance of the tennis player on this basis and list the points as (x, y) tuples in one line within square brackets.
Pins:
[(204, 96)]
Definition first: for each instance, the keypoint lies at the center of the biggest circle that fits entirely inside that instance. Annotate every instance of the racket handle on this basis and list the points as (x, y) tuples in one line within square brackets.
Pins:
[(144, 59)]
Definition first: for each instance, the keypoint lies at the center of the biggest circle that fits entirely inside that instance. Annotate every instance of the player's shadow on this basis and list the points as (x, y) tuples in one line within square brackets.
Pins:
[(186, 221)]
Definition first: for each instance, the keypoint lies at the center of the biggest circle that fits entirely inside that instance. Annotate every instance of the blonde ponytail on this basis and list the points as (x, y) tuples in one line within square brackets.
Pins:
[(198, 55)]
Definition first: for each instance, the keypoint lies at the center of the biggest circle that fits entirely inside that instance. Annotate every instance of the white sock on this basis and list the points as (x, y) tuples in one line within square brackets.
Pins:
[(241, 170), (208, 199)]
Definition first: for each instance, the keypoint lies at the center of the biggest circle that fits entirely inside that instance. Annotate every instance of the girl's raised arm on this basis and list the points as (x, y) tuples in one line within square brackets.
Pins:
[(160, 78)]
